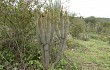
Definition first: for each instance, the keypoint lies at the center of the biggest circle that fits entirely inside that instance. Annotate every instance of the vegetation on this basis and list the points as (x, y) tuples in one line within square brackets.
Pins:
[(90, 55), (38, 35)]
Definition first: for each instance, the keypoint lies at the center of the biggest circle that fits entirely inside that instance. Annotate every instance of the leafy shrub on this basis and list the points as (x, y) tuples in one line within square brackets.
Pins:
[(35, 64), (66, 64), (77, 44), (83, 36), (61, 64), (1, 67), (77, 26), (93, 36), (99, 28), (98, 37), (103, 38), (69, 41), (108, 39)]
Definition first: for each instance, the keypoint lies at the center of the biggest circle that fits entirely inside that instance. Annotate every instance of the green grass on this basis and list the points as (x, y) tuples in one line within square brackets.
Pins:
[(93, 55)]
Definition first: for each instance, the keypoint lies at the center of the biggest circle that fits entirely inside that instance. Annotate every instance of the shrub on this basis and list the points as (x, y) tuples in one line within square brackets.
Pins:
[(108, 40), (69, 41), (66, 64), (83, 36), (94, 36), (98, 37), (76, 27), (76, 44)]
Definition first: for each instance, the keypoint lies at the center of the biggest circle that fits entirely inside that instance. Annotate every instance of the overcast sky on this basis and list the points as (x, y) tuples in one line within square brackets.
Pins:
[(97, 8)]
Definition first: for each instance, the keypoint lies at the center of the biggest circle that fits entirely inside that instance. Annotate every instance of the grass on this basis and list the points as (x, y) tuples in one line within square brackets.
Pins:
[(93, 55)]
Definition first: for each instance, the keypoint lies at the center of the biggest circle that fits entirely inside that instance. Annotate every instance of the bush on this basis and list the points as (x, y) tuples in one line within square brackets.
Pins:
[(76, 27), (69, 41), (108, 40), (72, 42), (66, 64), (75, 44), (94, 36), (61, 65), (98, 37), (83, 36)]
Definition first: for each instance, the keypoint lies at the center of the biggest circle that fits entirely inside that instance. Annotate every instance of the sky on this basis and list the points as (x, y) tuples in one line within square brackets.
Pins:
[(86, 8)]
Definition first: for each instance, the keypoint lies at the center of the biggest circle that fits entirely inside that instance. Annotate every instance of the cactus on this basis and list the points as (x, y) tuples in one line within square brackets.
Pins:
[(52, 21)]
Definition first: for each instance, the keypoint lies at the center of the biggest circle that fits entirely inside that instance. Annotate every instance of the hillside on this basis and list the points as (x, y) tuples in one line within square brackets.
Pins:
[(90, 55)]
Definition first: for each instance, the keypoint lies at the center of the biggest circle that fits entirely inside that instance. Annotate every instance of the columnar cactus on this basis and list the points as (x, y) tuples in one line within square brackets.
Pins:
[(53, 20)]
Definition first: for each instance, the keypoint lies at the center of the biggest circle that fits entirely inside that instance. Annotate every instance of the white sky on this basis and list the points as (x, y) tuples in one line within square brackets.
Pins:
[(97, 8)]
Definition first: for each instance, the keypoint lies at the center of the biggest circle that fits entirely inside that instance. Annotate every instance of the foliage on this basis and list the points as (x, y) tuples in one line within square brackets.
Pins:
[(70, 41), (90, 19), (93, 55), (99, 28), (73, 44), (91, 23), (76, 27), (20, 50), (98, 37), (18, 45), (66, 63), (77, 44), (83, 36)]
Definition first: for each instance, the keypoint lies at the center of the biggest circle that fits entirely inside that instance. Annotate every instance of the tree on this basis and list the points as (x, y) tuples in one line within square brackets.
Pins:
[(91, 21)]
